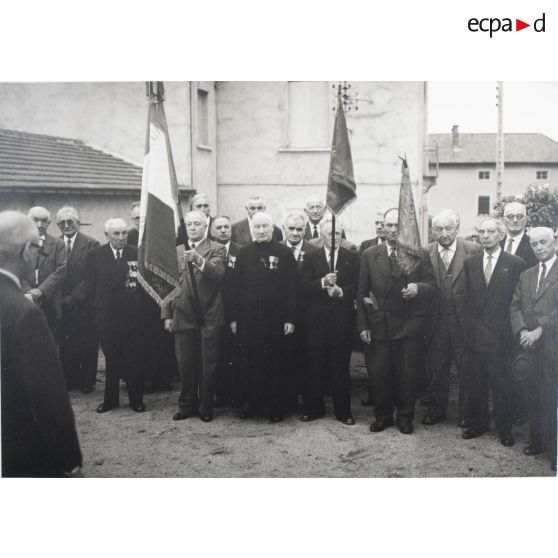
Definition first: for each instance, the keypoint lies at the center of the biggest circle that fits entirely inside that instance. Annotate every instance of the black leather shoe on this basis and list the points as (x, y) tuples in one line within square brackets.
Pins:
[(471, 433), (429, 420), (102, 408), (380, 424), (406, 428), (367, 402), (275, 418), (532, 449), (507, 440), (247, 413), (346, 420), (181, 415), (206, 417), (87, 389), (138, 408)]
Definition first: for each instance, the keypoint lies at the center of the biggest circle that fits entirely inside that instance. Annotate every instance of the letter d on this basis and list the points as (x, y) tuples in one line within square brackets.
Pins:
[(536, 24)]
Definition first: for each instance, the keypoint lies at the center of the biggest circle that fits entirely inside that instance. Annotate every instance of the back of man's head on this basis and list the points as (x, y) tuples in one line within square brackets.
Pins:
[(16, 230)]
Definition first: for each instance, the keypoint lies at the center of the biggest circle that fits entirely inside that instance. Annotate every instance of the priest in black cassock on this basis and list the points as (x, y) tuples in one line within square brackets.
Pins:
[(264, 309)]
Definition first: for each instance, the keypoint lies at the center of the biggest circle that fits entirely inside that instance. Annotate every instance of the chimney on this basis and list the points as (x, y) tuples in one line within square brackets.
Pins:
[(455, 143)]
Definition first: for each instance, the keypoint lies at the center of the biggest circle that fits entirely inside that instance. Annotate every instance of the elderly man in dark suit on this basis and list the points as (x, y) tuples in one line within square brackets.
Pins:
[(227, 382), (490, 279), (243, 231), (79, 345), (296, 349), (380, 234), (516, 242), (330, 318), (196, 330), (111, 283), (264, 312), (391, 309), (39, 437), (446, 314), (43, 285), (534, 320)]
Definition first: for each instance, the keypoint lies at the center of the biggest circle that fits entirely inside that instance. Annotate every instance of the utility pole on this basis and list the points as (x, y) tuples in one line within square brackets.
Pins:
[(500, 140)]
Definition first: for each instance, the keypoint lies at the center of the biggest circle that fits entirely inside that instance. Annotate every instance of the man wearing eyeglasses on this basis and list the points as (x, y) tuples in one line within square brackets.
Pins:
[(43, 285), (78, 339), (39, 437), (243, 231), (516, 241)]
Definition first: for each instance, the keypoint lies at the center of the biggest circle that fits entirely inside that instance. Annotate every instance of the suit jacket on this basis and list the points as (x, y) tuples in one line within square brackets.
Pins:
[(51, 273), (74, 282), (463, 250), (227, 283), (391, 316), (181, 307), (309, 229), (38, 429), (524, 251), (367, 243), (116, 307), (240, 233), (488, 327), (133, 237), (531, 308), (307, 247), (347, 244), (320, 306)]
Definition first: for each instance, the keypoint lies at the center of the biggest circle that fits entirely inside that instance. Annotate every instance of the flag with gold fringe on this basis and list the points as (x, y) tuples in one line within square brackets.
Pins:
[(409, 251)]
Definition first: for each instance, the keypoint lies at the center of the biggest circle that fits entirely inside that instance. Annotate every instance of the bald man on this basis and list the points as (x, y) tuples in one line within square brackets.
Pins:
[(39, 438), (111, 282), (43, 285), (534, 320)]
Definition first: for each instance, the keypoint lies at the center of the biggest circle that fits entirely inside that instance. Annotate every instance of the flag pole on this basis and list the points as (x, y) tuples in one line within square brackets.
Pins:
[(332, 252), (156, 92)]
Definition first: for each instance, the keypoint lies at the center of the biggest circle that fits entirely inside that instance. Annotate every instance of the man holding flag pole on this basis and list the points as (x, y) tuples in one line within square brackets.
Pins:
[(396, 280), (190, 300)]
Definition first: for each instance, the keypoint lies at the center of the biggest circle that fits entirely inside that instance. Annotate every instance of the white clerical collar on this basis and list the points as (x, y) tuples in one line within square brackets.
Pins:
[(11, 276), (452, 247)]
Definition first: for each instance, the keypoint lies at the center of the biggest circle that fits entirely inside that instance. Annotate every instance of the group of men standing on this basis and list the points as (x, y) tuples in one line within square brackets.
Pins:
[(271, 317)]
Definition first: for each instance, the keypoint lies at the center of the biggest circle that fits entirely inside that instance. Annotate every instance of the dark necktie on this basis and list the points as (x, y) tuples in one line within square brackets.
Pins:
[(68, 246), (509, 246), (315, 233), (542, 277), (192, 245), (446, 258), (118, 256), (393, 262), (293, 248)]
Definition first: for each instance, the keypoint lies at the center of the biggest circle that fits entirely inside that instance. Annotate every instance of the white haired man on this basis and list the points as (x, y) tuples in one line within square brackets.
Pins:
[(446, 314), (243, 231), (264, 312), (534, 320), (39, 437), (111, 283), (490, 279), (79, 345), (43, 285)]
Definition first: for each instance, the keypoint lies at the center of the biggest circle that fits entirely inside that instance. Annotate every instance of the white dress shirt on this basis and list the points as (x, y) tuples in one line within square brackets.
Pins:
[(548, 264), (515, 242), (451, 251), (296, 248), (495, 257)]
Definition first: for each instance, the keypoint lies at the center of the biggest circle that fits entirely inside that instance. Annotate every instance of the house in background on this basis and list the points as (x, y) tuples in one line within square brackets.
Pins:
[(230, 140), (467, 171)]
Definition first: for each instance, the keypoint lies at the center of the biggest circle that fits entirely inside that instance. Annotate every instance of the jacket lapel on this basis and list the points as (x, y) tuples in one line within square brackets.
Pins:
[(382, 261), (551, 277), (458, 261), (434, 259)]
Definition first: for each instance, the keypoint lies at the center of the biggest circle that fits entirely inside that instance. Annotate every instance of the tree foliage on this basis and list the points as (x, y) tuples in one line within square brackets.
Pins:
[(541, 203)]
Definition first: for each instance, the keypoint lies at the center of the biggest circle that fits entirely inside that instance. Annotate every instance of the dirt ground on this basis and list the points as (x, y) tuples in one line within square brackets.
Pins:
[(122, 443)]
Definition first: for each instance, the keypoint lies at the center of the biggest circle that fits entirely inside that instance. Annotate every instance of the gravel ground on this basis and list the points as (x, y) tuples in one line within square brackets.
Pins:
[(122, 443)]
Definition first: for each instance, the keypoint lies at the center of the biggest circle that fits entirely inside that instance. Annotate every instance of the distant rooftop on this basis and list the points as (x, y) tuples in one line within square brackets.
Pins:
[(481, 148)]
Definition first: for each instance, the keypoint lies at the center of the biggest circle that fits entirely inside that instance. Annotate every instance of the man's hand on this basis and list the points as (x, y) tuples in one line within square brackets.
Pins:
[(410, 291), (528, 338), (29, 297), (233, 327), (288, 328), (36, 294), (335, 292), (192, 256), (330, 280), (168, 325), (366, 336)]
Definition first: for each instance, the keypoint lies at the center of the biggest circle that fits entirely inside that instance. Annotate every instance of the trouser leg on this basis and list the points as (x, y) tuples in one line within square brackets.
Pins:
[(187, 355), (406, 358), (111, 344), (339, 343), (439, 364), (382, 373), (209, 354)]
